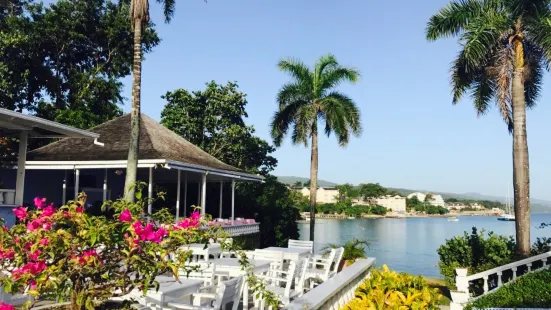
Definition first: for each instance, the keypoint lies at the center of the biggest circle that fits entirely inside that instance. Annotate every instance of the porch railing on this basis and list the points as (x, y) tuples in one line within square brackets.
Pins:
[(337, 291), (241, 229)]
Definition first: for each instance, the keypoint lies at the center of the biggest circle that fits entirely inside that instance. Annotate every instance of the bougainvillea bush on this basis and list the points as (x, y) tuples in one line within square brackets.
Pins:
[(67, 255)]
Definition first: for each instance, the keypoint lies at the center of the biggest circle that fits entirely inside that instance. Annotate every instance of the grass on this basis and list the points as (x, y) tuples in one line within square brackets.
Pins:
[(530, 291), (440, 284)]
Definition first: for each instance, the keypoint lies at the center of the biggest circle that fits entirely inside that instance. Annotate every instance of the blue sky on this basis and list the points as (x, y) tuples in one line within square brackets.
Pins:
[(413, 136)]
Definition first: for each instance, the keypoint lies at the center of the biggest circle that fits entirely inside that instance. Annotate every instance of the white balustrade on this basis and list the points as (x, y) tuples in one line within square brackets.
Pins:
[(462, 296), (242, 229), (336, 292)]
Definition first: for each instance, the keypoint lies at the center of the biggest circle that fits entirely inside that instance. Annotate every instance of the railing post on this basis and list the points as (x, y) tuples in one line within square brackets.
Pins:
[(499, 281), (529, 265), (514, 269), (461, 280)]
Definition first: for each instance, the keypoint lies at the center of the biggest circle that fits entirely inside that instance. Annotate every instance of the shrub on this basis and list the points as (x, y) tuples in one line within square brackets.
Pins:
[(387, 289), (530, 291), (476, 251)]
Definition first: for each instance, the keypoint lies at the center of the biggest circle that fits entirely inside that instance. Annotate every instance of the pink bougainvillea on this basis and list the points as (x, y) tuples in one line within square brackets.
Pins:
[(39, 202), (125, 216), (20, 213), (4, 306), (48, 211)]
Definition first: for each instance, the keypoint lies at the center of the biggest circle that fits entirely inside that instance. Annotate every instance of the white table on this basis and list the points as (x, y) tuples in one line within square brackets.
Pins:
[(234, 269), (198, 249), (170, 289), (290, 253)]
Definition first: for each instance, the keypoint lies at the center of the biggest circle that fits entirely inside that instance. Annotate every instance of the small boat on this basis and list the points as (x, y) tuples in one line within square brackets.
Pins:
[(506, 217), (351, 218), (453, 219)]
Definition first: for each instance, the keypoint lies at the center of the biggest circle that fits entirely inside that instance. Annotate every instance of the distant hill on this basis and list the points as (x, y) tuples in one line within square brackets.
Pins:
[(538, 205), (292, 180)]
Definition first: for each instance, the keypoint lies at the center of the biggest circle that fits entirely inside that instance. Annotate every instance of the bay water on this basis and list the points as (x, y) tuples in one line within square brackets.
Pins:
[(410, 244)]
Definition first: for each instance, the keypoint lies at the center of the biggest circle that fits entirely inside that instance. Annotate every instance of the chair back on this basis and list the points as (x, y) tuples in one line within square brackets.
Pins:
[(275, 257), (290, 276), (338, 258), (229, 291), (301, 244), (200, 271), (300, 274)]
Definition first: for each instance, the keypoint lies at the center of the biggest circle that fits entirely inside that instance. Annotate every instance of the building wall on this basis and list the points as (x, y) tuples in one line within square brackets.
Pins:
[(396, 203), (323, 195)]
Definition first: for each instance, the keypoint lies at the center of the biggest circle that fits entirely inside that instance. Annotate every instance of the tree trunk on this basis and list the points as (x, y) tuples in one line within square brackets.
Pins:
[(133, 146), (313, 180), (521, 175)]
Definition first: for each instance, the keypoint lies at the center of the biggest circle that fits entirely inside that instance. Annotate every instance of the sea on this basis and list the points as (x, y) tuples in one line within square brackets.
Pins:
[(410, 244)]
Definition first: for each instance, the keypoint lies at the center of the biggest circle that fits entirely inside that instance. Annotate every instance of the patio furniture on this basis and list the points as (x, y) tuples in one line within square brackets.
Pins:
[(291, 253), (199, 271), (286, 285), (202, 250), (337, 262), (217, 296), (231, 268), (316, 274), (301, 244), (170, 289)]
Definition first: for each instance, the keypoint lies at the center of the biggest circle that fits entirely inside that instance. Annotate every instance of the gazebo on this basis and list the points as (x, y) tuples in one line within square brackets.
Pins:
[(164, 157), (18, 125)]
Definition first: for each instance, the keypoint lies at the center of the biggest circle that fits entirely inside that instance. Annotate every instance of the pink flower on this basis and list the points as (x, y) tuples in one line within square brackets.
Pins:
[(44, 241), (195, 216), (20, 213), (35, 224), (125, 216), (47, 226), (66, 214), (7, 254), (4, 306), (39, 202), (48, 211), (34, 255), (79, 209), (28, 246), (138, 227), (32, 284)]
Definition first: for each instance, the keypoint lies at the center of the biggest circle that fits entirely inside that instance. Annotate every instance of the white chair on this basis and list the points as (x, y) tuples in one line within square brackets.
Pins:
[(286, 285), (338, 258), (199, 271), (217, 297), (275, 257), (301, 244), (320, 267), (227, 250)]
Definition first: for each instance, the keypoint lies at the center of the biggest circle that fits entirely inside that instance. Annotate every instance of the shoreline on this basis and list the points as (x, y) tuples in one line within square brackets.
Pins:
[(373, 216)]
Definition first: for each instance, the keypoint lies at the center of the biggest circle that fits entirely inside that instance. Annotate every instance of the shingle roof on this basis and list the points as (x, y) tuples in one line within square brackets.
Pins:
[(156, 142)]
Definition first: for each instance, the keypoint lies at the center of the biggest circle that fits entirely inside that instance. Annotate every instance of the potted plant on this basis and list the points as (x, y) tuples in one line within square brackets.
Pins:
[(353, 250)]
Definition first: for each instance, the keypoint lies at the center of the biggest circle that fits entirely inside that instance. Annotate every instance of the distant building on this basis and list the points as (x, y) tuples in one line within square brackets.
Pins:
[(323, 194), (436, 200), (396, 203)]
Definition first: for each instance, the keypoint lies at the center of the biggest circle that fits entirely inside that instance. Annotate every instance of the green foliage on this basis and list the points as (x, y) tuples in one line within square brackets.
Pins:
[(477, 251), (530, 291), (413, 204), (389, 290), (347, 208), (353, 249), (371, 190), (273, 205), (214, 120), (488, 204)]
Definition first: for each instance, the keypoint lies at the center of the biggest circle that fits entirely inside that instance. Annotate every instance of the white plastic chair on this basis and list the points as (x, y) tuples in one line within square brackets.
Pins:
[(315, 273), (301, 244), (338, 258), (275, 257), (216, 297), (286, 285), (205, 272)]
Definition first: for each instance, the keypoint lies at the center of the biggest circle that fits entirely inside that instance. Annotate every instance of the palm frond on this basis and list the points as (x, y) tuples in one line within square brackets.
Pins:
[(341, 116), (538, 30), (463, 75), (483, 90), (501, 72), (452, 19), (533, 73), (304, 122), (283, 119), (332, 77), (168, 8), (298, 70), (526, 8), (293, 92)]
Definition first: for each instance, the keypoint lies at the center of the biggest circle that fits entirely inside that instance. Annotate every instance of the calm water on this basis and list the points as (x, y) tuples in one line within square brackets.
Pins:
[(410, 244)]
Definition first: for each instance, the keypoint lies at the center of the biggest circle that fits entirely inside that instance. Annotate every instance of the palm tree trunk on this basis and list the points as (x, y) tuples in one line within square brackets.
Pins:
[(521, 175), (133, 146), (313, 180)]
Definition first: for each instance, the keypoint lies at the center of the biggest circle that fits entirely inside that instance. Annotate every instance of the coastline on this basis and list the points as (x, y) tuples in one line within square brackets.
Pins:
[(409, 215)]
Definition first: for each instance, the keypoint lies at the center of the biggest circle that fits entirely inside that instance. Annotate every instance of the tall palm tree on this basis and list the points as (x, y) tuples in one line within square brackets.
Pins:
[(505, 46), (139, 17), (310, 98)]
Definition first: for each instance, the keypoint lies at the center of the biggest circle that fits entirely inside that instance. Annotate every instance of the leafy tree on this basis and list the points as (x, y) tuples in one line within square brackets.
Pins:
[(139, 15), (310, 98), (506, 45), (371, 190), (63, 68), (214, 120), (297, 184), (347, 191)]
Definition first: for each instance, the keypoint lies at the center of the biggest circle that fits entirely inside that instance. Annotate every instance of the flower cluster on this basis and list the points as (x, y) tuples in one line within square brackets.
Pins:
[(33, 268), (43, 221), (88, 257), (192, 222), (4, 306)]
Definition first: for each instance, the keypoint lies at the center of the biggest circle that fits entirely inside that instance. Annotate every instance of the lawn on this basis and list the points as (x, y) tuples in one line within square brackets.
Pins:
[(530, 291)]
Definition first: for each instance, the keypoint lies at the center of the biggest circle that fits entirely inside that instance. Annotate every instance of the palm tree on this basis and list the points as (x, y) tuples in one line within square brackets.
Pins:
[(506, 44), (139, 18), (310, 98)]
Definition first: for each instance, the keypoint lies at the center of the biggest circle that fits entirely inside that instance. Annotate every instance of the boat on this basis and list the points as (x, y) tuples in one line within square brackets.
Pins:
[(351, 218), (508, 215), (453, 219)]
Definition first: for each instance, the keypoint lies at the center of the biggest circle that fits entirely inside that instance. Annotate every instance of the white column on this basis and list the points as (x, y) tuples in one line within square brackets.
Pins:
[(232, 201), (203, 194), (198, 194), (77, 181), (64, 195), (105, 186), (178, 199), (185, 194), (21, 160), (221, 193), (150, 191)]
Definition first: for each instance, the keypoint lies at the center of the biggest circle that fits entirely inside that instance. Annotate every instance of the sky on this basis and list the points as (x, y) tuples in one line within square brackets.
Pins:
[(413, 136)]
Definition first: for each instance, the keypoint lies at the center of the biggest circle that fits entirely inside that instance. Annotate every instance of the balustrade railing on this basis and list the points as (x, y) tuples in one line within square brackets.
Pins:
[(337, 291), (241, 229), (471, 287)]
